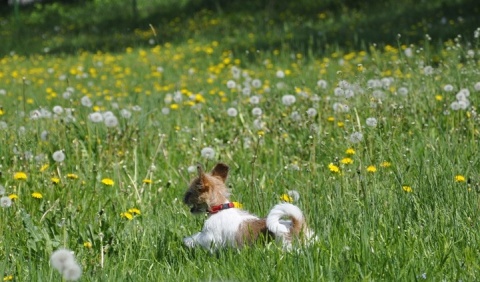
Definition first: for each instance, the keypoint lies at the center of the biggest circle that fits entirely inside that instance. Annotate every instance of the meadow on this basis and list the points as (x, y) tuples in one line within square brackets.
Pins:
[(381, 143)]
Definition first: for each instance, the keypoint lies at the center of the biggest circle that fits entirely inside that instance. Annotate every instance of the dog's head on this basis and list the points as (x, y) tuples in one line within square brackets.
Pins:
[(207, 189)]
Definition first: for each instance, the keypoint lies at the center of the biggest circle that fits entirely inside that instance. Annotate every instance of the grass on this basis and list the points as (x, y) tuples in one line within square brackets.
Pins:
[(400, 204)]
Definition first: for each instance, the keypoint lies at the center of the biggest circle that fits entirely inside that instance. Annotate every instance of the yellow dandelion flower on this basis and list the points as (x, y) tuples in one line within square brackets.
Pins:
[(331, 119), (346, 161), (459, 178), (174, 106), (2, 112), (340, 124), (55, 180), (20, 176), (407, 189), (8, 278), (333, 168), (13, 197), (72, 176), (237, 205), (134, 211), (350, 151), (147, 181), (126, 215), (108, 182), (286, 198), (37, 195), (439, 98), (87, 245), (385, 164), (260, 133), (371, 168), (44, 167)]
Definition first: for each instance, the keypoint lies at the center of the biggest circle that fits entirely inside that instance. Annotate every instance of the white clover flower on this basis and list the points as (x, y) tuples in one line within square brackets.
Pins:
[(311, 112), (254, 100), (257, 111), (288, 100), (86, 102), (208, 153), (232, 112), (125, 113), (192, 169), (5, 202), (2, 190), (231, 84), (355, 137), (477, 86), (280, 74), (448, 88), (165, 111), (95, 117), (256, 83), (111, 121), (58, 110), (58, 156), (403, 91), (322, 84), (371, 121)]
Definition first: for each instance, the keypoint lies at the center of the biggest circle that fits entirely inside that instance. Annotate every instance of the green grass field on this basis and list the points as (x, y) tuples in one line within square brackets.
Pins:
[(380, 138)]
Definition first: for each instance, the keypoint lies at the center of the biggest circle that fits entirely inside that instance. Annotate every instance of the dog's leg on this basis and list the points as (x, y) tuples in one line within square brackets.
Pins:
[(192, 241)]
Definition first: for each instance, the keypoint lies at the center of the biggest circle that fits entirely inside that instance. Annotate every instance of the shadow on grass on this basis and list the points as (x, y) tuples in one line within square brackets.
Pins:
[(302, 26)]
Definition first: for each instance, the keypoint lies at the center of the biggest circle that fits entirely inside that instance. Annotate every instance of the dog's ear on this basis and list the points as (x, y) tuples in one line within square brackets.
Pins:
[(221, 170)]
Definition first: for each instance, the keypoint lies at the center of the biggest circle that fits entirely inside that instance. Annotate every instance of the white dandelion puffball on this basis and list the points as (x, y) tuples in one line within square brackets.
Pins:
[(62, 258), (2, 190), (58, 156), (165, 111), (311, 112), (5, 202), (428, 70), (111, 121), (288, 100), (403, 91), (408, 52), (125, 113), (322, 84), (448, 88), (294, 195), (355, 137), (246, 91), (254, 100), (95, 117), (232, 112), (85, 101), (280, 74), (371, 121), (339, 92), (256, 83), (477, 86), (72, 273), (257, 111), (208, 153), (231, 84), (58, 110), (192, 169), (3, 125)]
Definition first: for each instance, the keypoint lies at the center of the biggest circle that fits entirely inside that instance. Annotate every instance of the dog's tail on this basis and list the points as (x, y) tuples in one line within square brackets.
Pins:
[(283, 228)]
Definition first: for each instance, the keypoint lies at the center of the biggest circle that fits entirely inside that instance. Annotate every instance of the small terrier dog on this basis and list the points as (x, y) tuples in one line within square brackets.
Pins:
[(228, 226)]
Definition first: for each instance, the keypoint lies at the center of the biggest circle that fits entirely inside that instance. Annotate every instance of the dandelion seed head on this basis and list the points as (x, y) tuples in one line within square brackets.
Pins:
[(62, 258), (257, 111), (254, 100), (403, 91), (58, 110), (125, 113), (111, 121), (246, 91), (58, 156), (280, 74), (355, 137), (192, 169), (86, 102), (232, 112), (288, 100), (371, 121), (95, 117), (5, 202), (2, 190), (256, 83), (477, 86), (448, 88), (311, 112), (231, 84), (322, 84), (208, 153)]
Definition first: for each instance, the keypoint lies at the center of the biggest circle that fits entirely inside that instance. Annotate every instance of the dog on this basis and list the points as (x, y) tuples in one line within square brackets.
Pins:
[(229, 226)]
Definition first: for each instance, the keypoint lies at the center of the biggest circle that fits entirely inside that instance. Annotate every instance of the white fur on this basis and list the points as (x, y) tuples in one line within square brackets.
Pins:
[(220, 229)]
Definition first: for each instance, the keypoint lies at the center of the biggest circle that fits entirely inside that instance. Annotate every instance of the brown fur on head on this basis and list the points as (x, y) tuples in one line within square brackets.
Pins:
[(207, 189)]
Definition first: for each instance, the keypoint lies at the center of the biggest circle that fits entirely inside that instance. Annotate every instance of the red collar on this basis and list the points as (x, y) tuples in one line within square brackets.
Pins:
[(218, 208)]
